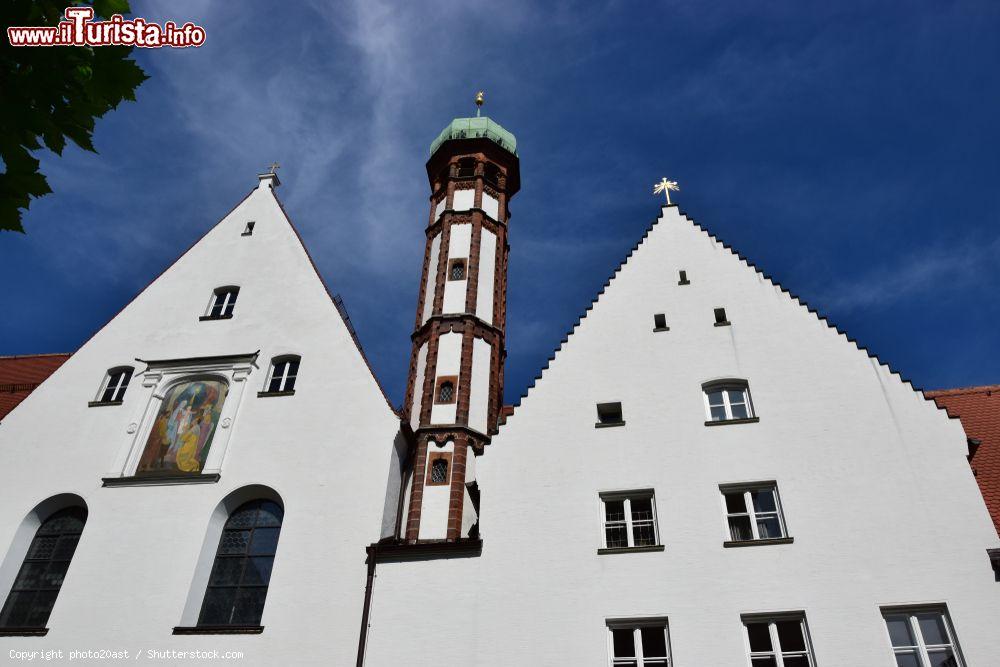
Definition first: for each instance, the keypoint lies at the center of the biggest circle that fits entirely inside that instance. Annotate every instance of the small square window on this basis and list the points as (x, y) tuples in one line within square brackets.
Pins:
[(660, 322), (720, 318), (922, 637), (249, 229), (683, 279), (639, 643), (438, 469), (782, 639), (446, 389), (753, 513), (456, 269), (609, 414)]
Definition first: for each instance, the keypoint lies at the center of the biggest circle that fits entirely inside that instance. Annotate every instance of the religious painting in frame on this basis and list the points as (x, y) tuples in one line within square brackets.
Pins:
[(182, 432)]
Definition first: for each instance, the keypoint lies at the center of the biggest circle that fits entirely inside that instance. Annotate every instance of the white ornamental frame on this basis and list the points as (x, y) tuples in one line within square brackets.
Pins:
[(157, 379)]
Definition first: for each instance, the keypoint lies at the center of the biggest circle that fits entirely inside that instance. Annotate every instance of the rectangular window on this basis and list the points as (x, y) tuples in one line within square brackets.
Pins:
[(728, 401), (753, 513), (660, 322), (720, 317), (116, 384), (609, 414), (639, 643), (683, 279), (223, 303), (248, 231), (778, 641), (283, 374), (922, 637), (629, 519)]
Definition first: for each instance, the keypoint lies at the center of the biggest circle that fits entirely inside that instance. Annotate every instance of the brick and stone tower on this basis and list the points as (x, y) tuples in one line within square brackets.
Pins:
[(455, 388)]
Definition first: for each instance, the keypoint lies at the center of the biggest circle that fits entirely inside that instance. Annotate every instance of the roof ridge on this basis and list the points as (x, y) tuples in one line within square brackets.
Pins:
[(797, 299), (35, 356), (960, 391)]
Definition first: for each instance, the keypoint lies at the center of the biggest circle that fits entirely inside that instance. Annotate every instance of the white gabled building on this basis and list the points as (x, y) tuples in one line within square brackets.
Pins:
[(321, 450), (707, 473)]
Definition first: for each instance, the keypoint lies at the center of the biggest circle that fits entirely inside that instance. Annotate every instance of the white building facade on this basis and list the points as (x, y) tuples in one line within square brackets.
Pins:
[(707, 473)]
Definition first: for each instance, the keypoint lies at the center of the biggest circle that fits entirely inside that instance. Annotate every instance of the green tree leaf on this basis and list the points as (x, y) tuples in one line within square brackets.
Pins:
[(51, 95)]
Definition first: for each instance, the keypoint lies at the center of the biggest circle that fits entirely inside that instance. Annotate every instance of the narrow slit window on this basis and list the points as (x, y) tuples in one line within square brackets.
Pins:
[(683, 279), (720, 317), (660, 322), (249, 228), (609, 414)]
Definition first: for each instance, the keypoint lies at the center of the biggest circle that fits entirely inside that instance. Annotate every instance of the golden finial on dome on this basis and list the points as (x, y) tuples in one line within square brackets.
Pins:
[(480, 98)]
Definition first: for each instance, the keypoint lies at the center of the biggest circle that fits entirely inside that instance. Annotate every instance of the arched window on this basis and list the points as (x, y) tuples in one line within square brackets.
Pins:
[(37, 584), (241, 572), (456, 270), (223, 303), (728, 400), (115, 383), (283, 373), (446, 392)]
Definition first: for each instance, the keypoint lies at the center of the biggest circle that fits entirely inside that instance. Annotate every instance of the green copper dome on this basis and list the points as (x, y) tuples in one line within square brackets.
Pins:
[(472, 128)]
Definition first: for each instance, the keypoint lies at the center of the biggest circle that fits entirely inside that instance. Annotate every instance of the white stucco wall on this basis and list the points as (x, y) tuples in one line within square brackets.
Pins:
[(449, 362), (487, 276), (876, 489), (431, 280), (463, 199), (327, 451), (459, 243), (418, 393), (479, 387), (491, 206)]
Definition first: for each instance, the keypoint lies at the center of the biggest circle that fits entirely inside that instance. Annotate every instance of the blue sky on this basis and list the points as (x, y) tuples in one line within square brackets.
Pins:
[(849, 149)]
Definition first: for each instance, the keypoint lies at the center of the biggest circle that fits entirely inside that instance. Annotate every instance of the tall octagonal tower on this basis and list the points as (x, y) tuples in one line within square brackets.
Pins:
[(455, 389)]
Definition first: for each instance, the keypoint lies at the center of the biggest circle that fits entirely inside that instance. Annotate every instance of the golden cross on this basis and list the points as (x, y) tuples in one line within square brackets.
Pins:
[(274, 166), (665, 187)]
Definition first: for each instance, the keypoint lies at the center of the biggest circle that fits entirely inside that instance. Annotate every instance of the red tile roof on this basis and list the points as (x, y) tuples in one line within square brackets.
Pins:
[(20, 375), (979, 410)]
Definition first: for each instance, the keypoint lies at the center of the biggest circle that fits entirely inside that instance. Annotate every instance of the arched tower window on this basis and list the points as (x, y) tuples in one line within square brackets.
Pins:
[(446, 392), (241, 572), (466, 167), (37, 584), (439, 471)]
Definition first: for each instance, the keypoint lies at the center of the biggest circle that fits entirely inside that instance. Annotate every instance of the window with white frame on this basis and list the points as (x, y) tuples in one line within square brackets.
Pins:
[(629, 519), (754, 512), (115, 384), (283, 373), (639, 643), (223, 303), (922, 637), (778, 641), (728, 401)]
